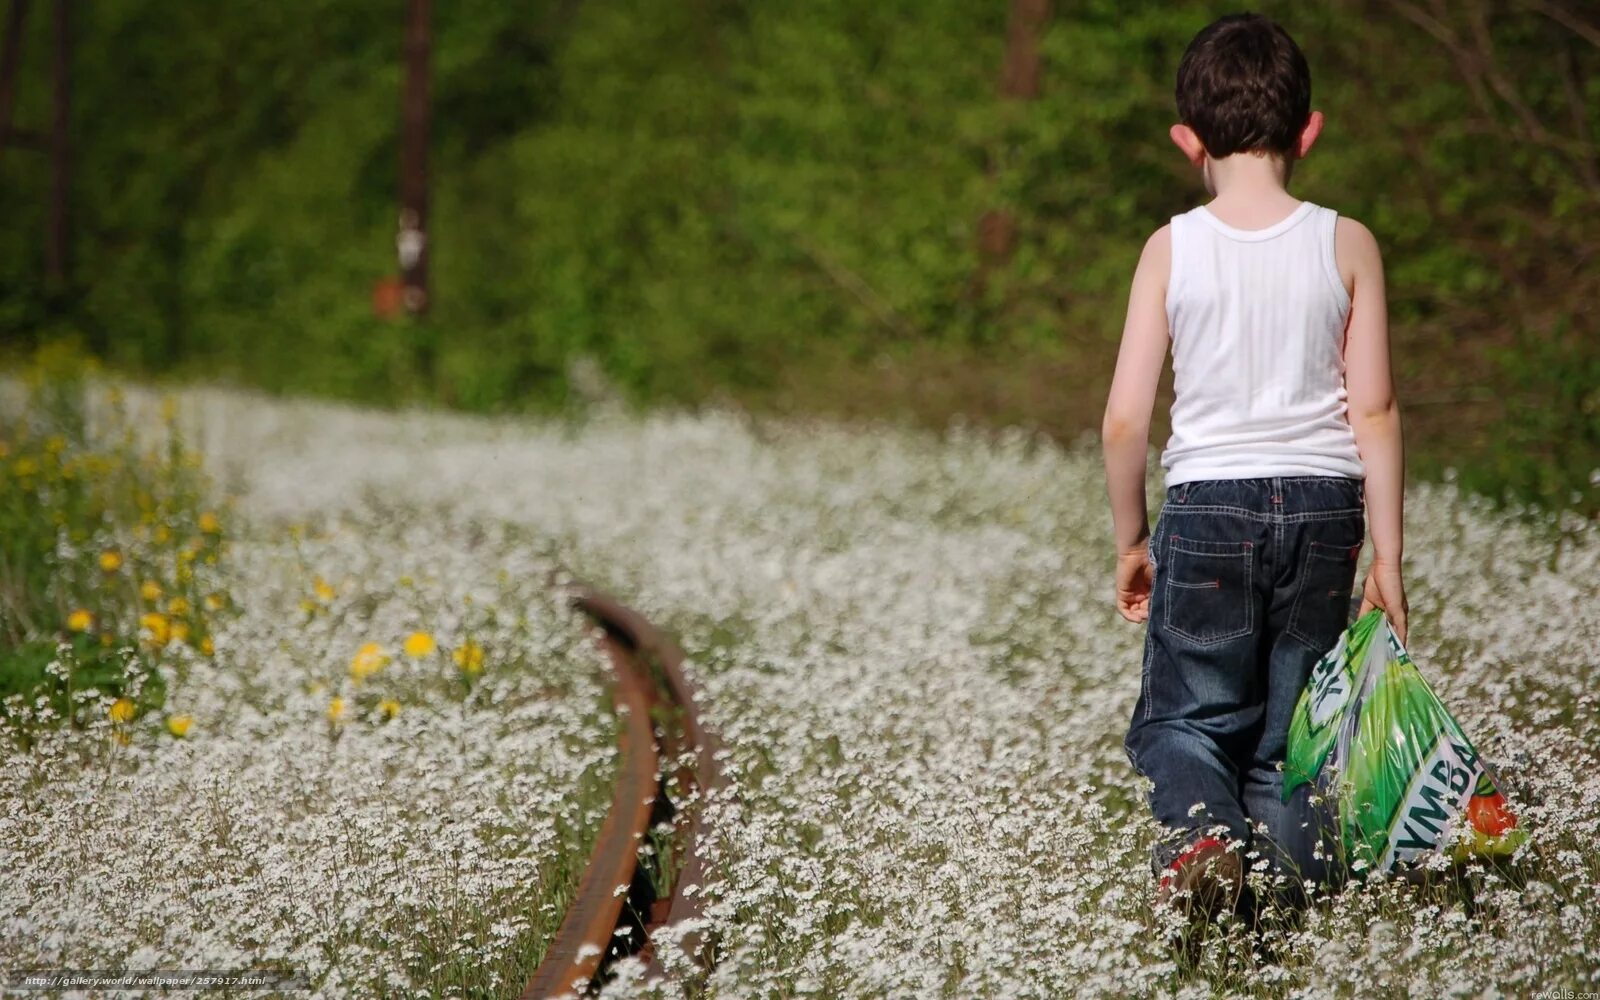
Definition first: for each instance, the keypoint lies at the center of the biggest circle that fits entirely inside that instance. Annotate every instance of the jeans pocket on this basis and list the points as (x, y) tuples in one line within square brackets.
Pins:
[(1208, 595), (1322, 598)]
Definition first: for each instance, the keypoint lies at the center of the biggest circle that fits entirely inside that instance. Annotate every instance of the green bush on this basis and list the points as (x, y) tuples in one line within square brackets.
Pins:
[(779, 203)]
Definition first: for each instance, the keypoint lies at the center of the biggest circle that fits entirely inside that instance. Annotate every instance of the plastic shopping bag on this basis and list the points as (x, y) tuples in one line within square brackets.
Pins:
[(1406, 782)]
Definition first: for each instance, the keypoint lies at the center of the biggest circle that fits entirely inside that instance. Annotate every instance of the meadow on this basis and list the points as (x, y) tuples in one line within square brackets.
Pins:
[(906, 641), (373, 753)]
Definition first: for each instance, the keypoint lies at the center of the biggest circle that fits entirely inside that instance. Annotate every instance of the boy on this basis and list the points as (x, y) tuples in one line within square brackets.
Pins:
[(1285, 441)]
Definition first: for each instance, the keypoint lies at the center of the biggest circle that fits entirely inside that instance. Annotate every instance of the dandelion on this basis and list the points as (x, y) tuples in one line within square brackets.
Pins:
[(420, 644), (150, 590), (214, 602), (209, 524), (122, 710), (369, 659), (207, 647), (179, 725), (178, 606), (324, 590), (80, 621), (336, 709), (179, 632), (469, 657), (159, 629), (110, 560), (389, 708)]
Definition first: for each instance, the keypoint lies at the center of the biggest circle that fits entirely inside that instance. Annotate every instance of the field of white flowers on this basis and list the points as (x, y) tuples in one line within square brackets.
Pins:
[(384, 777), (907, 645)]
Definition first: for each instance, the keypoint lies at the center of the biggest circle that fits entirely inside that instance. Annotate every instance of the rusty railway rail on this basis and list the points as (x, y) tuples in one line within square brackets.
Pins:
[(615, 910)]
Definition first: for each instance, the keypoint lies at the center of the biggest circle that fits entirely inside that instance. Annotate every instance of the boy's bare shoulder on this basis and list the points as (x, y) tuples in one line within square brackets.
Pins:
[(1350, 234), (1355, 249), (1157, 253)]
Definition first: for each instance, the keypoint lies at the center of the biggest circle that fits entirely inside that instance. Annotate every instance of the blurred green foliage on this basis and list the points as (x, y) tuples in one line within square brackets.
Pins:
[(779, 203)]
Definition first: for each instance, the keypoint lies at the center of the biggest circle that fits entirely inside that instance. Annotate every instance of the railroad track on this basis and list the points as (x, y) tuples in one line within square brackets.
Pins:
[(621, 901)]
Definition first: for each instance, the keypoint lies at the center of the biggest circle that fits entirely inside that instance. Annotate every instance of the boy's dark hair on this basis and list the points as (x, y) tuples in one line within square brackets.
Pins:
[(1243, 84)]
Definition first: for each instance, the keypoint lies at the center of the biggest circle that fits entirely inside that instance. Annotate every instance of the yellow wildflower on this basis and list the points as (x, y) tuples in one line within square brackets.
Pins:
[(157, 625), (214, 602), (180, 632), (122, 710), (106, 638), (178, 606), (336, 709), (25, 467), (179, 725), (208, 647), (209, 524), (469, 657), (163, 534), (324, 590), (420, 644), (369, 659), (80, 621), (110, 560), (389, 707), (121, 737), (150, 590)]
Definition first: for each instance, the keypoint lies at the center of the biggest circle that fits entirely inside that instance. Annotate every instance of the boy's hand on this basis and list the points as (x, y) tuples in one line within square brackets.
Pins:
[(1134, 580), (1385, 590)]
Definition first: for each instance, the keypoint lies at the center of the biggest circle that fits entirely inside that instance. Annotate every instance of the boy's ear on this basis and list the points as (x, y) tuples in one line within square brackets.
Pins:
[(1308, 135), (1193, 149)]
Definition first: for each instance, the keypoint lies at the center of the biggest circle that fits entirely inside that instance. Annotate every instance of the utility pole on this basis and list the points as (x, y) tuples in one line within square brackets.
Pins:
[(412, 241)]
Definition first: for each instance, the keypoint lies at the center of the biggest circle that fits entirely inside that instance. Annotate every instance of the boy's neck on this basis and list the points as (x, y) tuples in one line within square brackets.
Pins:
[(1249, 179)]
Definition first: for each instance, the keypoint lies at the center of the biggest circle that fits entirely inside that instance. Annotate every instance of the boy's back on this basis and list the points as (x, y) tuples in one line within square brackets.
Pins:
[(1257, 321)]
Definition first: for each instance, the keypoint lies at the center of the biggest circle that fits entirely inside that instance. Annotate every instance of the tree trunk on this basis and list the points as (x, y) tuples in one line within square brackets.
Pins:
[(57, 251), (1019, 81), (1019, 75), (10, 58)]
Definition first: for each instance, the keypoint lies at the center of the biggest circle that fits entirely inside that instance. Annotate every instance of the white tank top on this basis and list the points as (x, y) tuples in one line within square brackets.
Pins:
[(1257, 320)]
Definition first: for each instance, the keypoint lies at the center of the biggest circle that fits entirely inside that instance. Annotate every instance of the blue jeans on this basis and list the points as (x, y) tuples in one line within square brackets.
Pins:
[(1253, 581)]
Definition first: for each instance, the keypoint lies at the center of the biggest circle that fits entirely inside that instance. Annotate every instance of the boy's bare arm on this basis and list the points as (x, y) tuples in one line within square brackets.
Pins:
[(1125, 431), (1374, 413)]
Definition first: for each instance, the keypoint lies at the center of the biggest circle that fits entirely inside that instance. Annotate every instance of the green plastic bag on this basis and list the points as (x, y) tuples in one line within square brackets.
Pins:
[(1370, 733)]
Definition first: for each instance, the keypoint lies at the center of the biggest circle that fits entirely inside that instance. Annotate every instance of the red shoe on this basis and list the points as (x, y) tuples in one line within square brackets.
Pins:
[(1202, 880)]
